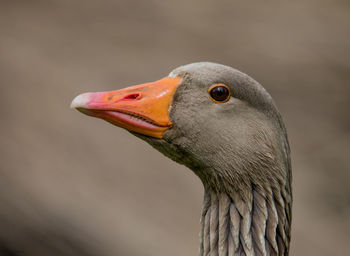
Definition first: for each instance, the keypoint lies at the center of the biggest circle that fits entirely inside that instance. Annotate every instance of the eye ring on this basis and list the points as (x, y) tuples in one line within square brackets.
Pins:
[(219, 93)]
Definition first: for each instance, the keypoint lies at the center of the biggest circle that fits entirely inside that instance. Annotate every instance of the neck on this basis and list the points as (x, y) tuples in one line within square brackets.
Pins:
[(258, 224)]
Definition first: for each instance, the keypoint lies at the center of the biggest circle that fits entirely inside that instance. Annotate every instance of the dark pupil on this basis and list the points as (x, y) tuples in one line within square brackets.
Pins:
[(219, 93)]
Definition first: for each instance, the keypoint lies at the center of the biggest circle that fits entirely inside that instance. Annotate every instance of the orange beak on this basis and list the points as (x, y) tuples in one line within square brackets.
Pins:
[(141, 108)]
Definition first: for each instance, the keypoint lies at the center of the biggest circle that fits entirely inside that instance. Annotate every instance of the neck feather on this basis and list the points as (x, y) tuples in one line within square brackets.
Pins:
[(255, 226)]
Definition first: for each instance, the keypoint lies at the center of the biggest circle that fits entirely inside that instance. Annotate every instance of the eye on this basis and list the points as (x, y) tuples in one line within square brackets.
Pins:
[(219, 93)]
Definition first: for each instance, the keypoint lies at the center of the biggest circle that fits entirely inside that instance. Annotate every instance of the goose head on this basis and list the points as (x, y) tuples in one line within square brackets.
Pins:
[(214, 119), (224, 126)]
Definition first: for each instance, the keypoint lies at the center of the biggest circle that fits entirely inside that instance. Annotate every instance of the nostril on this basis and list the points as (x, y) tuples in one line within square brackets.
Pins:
[(133, 96)]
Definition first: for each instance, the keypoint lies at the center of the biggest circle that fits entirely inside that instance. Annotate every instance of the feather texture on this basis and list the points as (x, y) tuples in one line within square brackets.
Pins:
[(233, 227)]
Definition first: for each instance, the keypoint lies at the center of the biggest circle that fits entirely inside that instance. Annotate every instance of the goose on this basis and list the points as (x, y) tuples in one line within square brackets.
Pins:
[(225, 127)]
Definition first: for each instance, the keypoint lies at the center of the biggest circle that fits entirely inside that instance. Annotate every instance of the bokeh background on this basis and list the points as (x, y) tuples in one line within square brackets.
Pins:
[(74, 185)]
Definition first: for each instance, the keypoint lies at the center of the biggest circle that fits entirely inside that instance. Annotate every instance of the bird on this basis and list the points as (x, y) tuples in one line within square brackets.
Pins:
[(226, 128)]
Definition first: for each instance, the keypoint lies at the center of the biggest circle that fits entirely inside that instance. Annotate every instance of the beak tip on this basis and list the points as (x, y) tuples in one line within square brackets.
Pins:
[(81, 101)]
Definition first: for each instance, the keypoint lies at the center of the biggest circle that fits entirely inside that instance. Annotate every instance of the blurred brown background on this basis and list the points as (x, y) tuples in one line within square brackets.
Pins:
[(73, 185)]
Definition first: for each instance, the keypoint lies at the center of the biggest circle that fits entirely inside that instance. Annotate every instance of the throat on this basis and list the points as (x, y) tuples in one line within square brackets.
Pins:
[(257, 225)]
